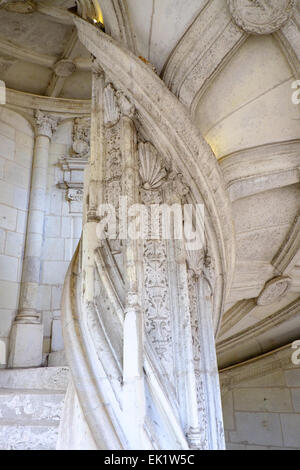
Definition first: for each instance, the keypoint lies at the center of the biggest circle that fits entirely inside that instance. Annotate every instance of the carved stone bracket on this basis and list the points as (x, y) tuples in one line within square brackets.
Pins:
[(73, 165)]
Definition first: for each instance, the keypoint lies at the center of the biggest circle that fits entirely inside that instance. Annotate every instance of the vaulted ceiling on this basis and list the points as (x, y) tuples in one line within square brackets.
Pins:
[(238, 89)]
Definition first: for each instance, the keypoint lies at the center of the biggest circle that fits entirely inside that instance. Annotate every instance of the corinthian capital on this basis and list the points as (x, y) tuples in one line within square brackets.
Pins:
[(46, 124)]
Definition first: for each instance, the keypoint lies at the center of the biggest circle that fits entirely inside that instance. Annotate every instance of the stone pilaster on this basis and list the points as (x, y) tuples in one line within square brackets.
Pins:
[(26, 342)]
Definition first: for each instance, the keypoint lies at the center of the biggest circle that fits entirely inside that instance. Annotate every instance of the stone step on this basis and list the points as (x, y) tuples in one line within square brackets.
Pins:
[(20, 437), (31, 402), (19, 406), (40, 378)]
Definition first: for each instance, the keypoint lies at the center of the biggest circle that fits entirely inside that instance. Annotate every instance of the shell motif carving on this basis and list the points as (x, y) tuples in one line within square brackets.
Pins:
[(111, 107), (152, 171)]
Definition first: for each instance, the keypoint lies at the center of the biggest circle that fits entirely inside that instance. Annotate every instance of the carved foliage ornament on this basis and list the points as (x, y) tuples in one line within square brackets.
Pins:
[(261, 16), (45, 124)]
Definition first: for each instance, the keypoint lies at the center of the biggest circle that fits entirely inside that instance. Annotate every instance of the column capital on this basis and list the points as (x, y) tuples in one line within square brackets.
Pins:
[(45, 123)]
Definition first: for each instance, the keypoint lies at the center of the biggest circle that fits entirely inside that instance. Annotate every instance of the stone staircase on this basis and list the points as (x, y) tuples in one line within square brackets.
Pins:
[(31, 403)]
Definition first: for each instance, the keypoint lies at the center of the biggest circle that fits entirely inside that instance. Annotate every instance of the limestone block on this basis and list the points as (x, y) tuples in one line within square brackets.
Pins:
[(296, 399), (7, 131), (26, 345), (2, 240), (21, 198), (257, 428), (52, 226), (2, 165), (55, 205), (42, 378), (54, 272), (35, 222), (228, 415), (17, 174), (35, 241), (66, 227), (7, 148), (8, 217), (290, 429), (274, 379), (293, 377), (230, 446), (14, 244), (44, 298), (16, 121), (77, 227), (24, 155), (31, 269), (53, 249), (24, 140), (263, 399), (6, 319), (69, 249), (57, 341), (18, 437), (256, 448), (47, 318), (21, 221), (46, 345), (8, 268), (56, 297), (9, 294), (27, 407), (57, 359), (3, 352), (6, 193)]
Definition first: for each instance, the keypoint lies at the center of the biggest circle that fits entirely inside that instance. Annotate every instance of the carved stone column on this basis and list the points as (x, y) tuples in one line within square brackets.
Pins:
[(26, 342), (205, 360)]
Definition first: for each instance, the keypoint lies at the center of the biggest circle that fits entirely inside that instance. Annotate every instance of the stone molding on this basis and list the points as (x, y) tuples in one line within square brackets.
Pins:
[(290, 247), (261, 168), (47, 104), (254, 334)]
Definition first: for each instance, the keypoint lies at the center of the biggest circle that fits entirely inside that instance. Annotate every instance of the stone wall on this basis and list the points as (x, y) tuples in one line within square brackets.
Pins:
[(16, 151), (61, 232), (261, 403)]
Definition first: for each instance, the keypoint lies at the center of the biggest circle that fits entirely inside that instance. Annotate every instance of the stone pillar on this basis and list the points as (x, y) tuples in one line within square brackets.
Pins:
[(133, 375), (26, 341)]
